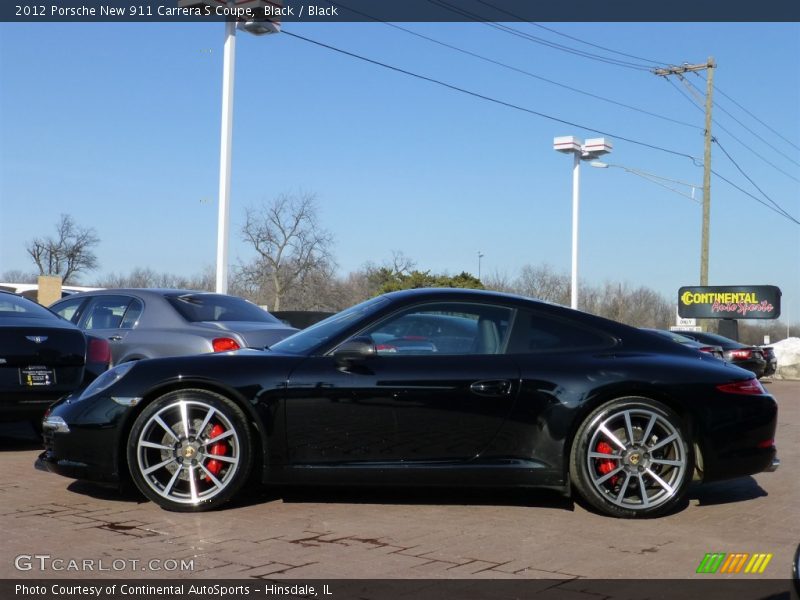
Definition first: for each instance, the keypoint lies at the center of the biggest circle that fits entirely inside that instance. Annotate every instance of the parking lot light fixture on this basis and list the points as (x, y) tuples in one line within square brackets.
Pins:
[(589, 150)]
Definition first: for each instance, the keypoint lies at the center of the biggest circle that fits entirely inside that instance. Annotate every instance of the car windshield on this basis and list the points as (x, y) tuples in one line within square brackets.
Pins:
[(218, 307), (12, 305), (308, 339)]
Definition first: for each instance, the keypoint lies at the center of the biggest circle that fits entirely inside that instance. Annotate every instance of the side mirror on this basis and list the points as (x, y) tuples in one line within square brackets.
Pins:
[(355, 349)]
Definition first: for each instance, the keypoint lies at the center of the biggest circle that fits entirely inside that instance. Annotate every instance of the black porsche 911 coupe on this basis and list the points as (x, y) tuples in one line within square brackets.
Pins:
[(426, 387)]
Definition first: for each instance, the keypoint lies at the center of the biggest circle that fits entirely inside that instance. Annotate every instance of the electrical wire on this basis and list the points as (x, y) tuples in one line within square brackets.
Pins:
[(730, 133), (576, 39), (538, 40), (768, 143), (515, 69), (756, 198), (489, 98), (755, 185), (717, 89)]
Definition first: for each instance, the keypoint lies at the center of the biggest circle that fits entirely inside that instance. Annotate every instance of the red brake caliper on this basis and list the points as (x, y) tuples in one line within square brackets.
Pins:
[(605, 466), (217, 449)]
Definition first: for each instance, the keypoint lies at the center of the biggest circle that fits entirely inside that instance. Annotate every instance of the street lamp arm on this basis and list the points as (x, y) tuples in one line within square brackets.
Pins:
[(653, 178)]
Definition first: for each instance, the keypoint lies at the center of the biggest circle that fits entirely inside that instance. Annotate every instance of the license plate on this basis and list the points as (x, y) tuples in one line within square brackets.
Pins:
[(37, 376)]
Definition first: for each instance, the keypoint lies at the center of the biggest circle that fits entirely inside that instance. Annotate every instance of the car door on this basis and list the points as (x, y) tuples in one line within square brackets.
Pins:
[(434, 395), (111, 317)]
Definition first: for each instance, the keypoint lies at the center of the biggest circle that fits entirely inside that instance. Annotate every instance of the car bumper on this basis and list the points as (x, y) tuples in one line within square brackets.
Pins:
[(80, 444), (16, 406), (740, 438)]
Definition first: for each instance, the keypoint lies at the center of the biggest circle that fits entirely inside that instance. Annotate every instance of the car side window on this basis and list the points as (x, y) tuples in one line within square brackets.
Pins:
[(69, 309), (105, 312), (538, 332), (132, 314), (445, 328)]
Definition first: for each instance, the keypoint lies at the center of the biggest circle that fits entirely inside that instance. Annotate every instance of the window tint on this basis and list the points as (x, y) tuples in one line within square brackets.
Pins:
[(327, 329), (218, 307), (132, 314), (543, 333), (105, 312), (16, 306), (68, 308), (443, 328)]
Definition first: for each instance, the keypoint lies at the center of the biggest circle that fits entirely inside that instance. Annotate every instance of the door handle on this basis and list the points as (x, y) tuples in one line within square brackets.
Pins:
[(115, 338), (492, 387)]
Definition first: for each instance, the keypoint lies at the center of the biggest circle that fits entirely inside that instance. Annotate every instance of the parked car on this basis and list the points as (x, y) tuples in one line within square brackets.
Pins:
[(542, 396), (150, 323), (715, 351), (741, 355), (772, 360), (31, 290), (42, 358)]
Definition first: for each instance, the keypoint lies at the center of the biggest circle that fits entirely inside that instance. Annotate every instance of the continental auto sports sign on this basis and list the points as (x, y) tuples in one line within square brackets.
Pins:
[(730, 302)]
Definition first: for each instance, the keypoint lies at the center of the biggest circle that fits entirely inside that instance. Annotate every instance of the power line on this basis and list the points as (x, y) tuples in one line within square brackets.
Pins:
[(489, 98), (756, 198), (768, 143), (734, 136), (538, 40), (515, 69), (755, 185), (788, 141), (576, 39)]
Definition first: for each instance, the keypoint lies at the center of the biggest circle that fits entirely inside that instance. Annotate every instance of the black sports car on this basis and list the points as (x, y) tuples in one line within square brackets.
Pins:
[(42, 358), (478, 389)]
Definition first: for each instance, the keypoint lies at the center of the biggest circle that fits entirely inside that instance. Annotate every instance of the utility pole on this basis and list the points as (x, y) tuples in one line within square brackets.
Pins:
[(679, 71)]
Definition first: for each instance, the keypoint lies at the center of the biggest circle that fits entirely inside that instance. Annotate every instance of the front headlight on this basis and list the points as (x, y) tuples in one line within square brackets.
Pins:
[(107, 379)]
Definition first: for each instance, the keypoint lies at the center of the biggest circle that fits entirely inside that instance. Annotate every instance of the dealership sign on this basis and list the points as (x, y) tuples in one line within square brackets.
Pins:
[(730, 302)]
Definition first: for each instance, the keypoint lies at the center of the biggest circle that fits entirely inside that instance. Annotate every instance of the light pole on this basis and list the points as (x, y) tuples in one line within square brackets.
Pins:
[(480, 256), (590, 150), (256, 27)]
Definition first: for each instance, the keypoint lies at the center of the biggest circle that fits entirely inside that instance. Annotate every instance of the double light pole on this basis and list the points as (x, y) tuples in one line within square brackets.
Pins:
[(589, 150)]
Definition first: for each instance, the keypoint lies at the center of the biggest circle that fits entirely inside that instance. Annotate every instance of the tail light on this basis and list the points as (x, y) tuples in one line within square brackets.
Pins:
[(741, 354), (707, 349), (749, 387), (99, 351), (224, 344)]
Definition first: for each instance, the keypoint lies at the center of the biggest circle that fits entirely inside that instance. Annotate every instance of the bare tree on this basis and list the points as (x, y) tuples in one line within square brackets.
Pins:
[(290, 245), (67, 254)]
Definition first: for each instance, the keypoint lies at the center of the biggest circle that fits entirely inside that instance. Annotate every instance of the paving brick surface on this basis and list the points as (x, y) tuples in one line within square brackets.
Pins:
[(394, 534)]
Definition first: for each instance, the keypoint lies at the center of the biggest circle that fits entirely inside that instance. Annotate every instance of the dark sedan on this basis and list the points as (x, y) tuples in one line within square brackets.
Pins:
[(741, 355), (540, 396), (153, 323), (715, 351), (42, 358)]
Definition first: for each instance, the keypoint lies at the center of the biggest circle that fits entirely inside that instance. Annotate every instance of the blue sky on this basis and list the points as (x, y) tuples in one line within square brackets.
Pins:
[(118, 125)]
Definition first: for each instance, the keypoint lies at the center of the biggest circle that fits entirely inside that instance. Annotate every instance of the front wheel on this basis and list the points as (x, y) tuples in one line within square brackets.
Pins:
[(631, 458), (190, 450)]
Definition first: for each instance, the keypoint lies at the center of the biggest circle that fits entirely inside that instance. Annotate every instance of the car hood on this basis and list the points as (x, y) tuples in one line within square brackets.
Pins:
[(255, 334)]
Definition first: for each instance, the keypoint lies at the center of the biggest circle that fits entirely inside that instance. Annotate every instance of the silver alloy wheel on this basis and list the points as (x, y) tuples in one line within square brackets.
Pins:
[(636, 458), (188, 452)]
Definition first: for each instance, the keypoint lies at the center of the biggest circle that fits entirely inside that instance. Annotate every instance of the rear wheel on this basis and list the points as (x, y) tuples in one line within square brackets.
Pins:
[(631, 458), (190, 450)]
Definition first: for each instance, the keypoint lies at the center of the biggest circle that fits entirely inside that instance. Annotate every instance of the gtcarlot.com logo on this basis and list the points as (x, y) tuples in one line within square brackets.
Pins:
[(720, 562)]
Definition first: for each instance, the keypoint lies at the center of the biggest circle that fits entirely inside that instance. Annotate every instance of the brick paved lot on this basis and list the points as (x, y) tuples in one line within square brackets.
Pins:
[(397, 534)]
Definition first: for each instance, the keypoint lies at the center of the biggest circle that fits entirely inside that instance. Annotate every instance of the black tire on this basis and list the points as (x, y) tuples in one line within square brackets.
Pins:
[(642, 477), (195, 470)]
